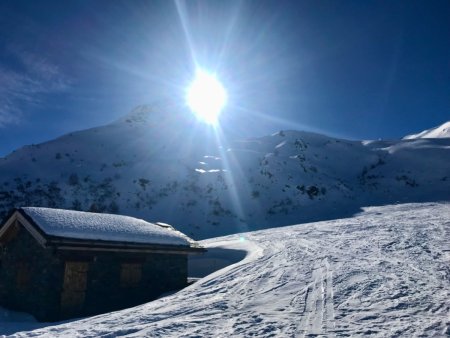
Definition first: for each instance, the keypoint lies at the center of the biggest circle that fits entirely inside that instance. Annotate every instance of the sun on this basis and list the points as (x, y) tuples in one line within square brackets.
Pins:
[(206, 97)]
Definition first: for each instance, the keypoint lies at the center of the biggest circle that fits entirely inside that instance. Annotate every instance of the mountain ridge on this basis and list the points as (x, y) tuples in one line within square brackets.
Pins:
[(441, 131), (161, 165)]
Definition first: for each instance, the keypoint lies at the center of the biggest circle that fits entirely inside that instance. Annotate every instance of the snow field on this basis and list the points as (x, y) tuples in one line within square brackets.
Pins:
[(382, 273)]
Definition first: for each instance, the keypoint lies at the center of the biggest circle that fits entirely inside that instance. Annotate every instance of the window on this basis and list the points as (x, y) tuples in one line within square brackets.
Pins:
[(130, 275)]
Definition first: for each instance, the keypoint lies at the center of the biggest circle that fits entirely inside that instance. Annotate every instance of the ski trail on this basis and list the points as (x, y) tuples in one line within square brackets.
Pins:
[(384, 273), (329, 295), (318, 313)]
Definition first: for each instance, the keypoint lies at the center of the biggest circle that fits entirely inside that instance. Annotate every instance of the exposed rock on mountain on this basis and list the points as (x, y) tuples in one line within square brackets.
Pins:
[(160, 164)]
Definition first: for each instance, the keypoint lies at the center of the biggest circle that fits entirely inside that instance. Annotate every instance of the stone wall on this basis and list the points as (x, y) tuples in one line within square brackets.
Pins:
[(160, 273), (40, 295)]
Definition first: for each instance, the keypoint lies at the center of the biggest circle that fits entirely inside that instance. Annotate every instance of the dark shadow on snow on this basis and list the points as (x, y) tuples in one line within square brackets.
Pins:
[(214, 259)]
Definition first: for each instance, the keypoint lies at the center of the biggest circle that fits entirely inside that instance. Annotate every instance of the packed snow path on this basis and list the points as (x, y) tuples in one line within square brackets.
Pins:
[(384, 273)]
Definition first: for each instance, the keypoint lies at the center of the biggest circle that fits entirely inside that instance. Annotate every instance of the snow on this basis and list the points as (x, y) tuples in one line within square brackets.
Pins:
[(384, 272), (442, 131), (157, 164), (107, 227)]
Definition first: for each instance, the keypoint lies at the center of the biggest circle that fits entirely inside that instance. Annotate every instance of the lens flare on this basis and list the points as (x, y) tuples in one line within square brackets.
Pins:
[(206, 97)]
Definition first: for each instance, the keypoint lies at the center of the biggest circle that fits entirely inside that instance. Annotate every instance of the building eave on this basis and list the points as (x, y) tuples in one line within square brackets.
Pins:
[(62, 243)]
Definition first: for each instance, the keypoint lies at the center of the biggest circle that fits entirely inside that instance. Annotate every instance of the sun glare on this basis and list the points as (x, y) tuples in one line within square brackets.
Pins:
[(206, 97)]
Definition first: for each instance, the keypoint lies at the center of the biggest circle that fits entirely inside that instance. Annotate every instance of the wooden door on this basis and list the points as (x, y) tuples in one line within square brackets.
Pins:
[(74, 288)]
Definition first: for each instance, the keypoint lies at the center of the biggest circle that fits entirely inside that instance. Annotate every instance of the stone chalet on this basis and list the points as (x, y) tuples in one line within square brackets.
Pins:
[(58, 264)]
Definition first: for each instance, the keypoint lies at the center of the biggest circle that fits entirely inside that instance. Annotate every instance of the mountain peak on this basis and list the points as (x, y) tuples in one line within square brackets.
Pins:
[(140, 113), (442, 131), (158, 112)]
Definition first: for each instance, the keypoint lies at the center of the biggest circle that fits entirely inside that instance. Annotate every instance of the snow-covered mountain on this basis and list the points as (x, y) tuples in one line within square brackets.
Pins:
[(442, 131), (160, 164), (383, 273)]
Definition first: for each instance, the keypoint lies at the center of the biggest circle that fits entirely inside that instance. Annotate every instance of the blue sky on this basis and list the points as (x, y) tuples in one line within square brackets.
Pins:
[(353, 69)]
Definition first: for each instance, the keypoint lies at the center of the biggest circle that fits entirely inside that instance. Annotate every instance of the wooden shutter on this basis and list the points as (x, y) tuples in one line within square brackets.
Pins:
[(74, 288), (130, 275)]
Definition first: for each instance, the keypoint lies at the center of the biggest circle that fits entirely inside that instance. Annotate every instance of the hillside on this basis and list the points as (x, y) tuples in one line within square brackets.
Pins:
[(159, 164), (382, 273), (442, 131)]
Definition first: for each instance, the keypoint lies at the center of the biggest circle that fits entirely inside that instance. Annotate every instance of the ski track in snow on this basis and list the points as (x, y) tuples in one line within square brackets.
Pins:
[(383, 273)]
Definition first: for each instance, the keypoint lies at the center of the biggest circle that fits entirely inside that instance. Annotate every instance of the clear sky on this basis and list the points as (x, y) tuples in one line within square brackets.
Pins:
[(353, 69)]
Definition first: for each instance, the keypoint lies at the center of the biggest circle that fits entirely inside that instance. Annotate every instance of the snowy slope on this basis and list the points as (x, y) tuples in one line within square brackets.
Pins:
[(442, 131), (159, 164), (382, 273)]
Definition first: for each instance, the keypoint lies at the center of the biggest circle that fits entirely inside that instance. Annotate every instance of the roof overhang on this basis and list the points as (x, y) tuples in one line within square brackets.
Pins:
[(98, 245), (29, 226), (73, 244)]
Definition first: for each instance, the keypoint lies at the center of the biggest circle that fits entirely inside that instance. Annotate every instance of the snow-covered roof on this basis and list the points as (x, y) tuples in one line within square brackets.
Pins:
[(105, 227)]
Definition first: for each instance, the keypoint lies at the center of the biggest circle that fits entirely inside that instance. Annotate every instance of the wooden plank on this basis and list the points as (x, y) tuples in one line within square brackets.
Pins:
[(130, 275), (163, 251), (74, 288)]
